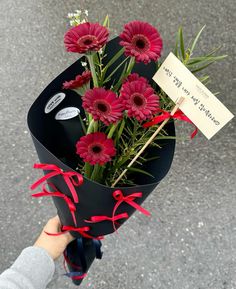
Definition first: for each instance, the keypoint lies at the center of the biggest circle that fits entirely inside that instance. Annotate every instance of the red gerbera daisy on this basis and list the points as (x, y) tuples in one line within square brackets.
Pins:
[(79, 80), (135, 76), (86, 37), (103, 105), (142, 41), (139, 99), (95, 148)]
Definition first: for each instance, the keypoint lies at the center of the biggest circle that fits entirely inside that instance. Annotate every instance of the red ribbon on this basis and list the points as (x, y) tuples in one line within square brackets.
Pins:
[(56, 193), (97, 219), (67, 176), (165, 114), (81, 230), (120, 198), (73, 276)]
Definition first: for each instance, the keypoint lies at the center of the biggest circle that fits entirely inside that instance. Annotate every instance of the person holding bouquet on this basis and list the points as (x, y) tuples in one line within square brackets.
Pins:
[(34, 268)]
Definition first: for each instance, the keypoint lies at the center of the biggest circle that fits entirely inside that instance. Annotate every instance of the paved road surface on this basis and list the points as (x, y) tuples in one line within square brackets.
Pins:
[(190, 240)]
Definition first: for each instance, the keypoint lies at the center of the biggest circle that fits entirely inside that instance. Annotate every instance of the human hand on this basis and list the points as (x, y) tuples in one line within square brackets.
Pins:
[(54, 245)]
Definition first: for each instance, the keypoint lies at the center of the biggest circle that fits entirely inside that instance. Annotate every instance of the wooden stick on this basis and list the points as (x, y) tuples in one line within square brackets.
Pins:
[(178, 103)]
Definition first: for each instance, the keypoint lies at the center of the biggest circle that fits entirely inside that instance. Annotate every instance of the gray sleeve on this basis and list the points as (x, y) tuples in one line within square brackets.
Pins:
[(33, 269)]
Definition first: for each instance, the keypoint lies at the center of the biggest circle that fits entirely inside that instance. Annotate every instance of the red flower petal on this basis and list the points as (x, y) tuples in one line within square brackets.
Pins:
[(95, 148), (103, 104), (142, 41), (86, 37), (135, 76), (79, 81), (139, 99)]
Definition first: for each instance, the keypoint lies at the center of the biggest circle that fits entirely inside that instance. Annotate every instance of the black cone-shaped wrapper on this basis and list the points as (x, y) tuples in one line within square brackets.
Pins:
[(55, 144)]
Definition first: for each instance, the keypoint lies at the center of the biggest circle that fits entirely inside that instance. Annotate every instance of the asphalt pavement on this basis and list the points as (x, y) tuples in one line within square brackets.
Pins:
[(190, 240)]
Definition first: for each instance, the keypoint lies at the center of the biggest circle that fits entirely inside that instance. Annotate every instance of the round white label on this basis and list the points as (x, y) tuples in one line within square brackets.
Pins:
[(54, 102), (67, 113)]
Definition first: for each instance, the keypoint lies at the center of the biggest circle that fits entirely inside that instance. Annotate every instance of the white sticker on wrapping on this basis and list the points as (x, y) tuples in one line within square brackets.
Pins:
[(54, 102), (67, 113)]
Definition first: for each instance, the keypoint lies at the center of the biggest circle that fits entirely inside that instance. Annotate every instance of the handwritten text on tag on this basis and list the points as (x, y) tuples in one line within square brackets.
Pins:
[(200, 105)]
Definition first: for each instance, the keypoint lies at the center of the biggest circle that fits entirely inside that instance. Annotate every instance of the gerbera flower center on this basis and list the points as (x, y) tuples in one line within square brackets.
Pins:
[(87, 40), (96, 148), (102, 107), (141, 43), (138, 100)]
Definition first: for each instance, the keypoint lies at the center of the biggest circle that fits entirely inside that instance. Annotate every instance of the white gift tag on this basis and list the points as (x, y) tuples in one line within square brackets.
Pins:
[(54, 102), (67, 113), (199, 105)]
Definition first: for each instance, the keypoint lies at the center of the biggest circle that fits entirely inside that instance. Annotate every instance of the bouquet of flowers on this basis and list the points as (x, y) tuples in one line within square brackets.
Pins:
[(104, 131)]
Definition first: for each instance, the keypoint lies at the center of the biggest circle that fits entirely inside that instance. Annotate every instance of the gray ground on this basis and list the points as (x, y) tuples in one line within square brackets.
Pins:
[(190, 240)]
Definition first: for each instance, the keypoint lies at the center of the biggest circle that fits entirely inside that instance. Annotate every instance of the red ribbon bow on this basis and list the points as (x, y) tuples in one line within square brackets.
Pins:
[(56, 193), (97, 219), (81, 230), (120, 198), (67, 176), (165, 114)]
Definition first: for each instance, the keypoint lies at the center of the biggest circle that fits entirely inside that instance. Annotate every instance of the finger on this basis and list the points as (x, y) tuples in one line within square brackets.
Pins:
[(56, 219), (69, 237), (53, 225)]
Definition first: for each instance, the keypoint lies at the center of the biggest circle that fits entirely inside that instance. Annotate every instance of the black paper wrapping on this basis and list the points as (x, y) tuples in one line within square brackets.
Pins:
[(55, 144)]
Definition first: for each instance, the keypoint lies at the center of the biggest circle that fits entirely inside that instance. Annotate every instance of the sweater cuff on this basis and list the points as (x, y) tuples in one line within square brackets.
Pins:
[(37, 265)]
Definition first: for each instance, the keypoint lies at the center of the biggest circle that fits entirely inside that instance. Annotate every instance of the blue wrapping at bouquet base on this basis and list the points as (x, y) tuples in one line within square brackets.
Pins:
[(81, 253), (55, 144)]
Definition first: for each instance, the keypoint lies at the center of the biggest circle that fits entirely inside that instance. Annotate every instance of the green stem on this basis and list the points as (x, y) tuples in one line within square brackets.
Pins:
[(91, 125), (125, 74), (112, 130), (108, 78), (95, 172), (121, 128), (130, 66), (87, 169), (114, 58), (112, 61), (95, 126), (133, 137), (92, 69), (82, 124), (81, 90), (90, 118)]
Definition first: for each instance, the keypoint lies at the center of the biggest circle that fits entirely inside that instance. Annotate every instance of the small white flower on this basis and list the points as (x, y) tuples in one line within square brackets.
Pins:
[(75, 18), (84, 63), (70, 15)]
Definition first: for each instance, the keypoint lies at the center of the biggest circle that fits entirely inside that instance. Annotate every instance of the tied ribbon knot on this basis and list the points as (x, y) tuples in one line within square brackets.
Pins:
[(56, 193), (165, 114), (71, 178), (81, 230), (120, 198), (97, 219)]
